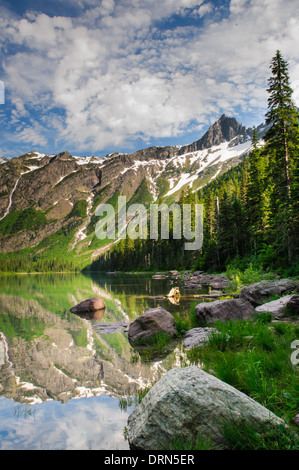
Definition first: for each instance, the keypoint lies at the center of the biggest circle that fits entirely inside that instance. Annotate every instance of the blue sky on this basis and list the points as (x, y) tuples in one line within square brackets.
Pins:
[(99, 76)]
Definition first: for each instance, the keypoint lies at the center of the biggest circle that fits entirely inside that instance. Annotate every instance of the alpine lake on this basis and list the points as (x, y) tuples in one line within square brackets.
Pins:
[(65, 383)]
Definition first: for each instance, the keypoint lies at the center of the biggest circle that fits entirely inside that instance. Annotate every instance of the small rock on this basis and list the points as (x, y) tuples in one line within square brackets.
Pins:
[(222, 284), (192, 285), (296, 420), (159, 276), (89, 305), (197, 337), (157, 297)]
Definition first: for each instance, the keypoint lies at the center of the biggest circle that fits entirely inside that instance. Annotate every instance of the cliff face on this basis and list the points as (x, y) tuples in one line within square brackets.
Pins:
[(42, 195), (225, 129)]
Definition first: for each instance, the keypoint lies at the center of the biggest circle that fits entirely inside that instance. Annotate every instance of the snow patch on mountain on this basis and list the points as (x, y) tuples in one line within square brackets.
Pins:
[(87, 160), (205, 158)]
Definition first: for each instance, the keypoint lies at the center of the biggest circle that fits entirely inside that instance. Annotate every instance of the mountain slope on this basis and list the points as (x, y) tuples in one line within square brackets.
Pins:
[(47, 202)]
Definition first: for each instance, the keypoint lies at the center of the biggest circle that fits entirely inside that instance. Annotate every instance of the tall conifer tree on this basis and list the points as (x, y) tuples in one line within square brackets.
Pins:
[(282, 142)]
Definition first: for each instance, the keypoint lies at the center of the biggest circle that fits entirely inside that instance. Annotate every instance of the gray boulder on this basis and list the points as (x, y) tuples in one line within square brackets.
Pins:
[(260, 292), (293, 305), (187, 403), (192, 284), (236, 309), (197, 337), (277, 308), (152, 322), (219, 283)]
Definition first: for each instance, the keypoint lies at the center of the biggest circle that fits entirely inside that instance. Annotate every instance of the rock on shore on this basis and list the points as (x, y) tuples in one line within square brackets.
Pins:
[(260, 292), (236, 309), (198, 337), (152, 322), (187, 403), (277, 308)]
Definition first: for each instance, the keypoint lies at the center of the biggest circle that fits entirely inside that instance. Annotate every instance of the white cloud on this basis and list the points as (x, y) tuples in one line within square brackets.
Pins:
[(118, 77), (205, 8)]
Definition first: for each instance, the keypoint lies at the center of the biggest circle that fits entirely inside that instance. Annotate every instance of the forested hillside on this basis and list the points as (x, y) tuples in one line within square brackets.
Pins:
[(251, 213)]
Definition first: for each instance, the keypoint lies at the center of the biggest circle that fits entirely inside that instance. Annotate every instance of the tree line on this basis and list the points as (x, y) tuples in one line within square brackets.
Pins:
[(251, 212)]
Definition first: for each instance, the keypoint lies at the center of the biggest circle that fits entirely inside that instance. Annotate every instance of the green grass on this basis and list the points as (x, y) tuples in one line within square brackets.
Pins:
[(251, 273), (155, 347), (256, 361), (246, 437), (183, 324), (157, 341), (134, 400), (178, 443)]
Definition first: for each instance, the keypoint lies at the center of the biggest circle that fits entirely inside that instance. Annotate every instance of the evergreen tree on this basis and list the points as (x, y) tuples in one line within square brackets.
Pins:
[(255, 197), (282, 140)]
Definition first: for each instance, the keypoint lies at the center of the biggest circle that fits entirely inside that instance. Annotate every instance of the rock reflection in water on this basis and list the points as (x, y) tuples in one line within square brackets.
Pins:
[(97, 315), (48, 353)]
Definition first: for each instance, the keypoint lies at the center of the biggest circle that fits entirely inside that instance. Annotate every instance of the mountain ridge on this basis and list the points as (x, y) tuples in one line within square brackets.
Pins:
[(60, 193)]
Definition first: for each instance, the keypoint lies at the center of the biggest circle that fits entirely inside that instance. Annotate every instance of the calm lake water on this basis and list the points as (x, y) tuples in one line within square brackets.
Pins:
[(64, 385)]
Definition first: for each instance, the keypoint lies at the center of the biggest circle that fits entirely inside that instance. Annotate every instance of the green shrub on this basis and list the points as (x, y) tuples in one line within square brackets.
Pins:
[(27, 219), (79, 209)]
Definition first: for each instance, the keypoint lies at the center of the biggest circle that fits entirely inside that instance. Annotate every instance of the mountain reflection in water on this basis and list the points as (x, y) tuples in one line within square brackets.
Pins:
[(50, 357)]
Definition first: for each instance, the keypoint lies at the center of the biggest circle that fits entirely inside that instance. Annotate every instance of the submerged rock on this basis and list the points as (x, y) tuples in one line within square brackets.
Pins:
[(89, 305), (152, 322), (236, 309), (173, 273), (219, 284), (108, 328), (187, 403), (260, 292), (192, 284)]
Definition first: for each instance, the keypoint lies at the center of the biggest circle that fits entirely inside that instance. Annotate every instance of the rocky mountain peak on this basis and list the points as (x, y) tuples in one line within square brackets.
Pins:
[(225, 129)]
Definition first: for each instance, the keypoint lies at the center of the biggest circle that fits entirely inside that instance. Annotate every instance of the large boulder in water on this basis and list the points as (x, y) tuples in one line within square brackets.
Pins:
[(152, 322), (235, 309), (259, 293), (188, 403), (89, 305)]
